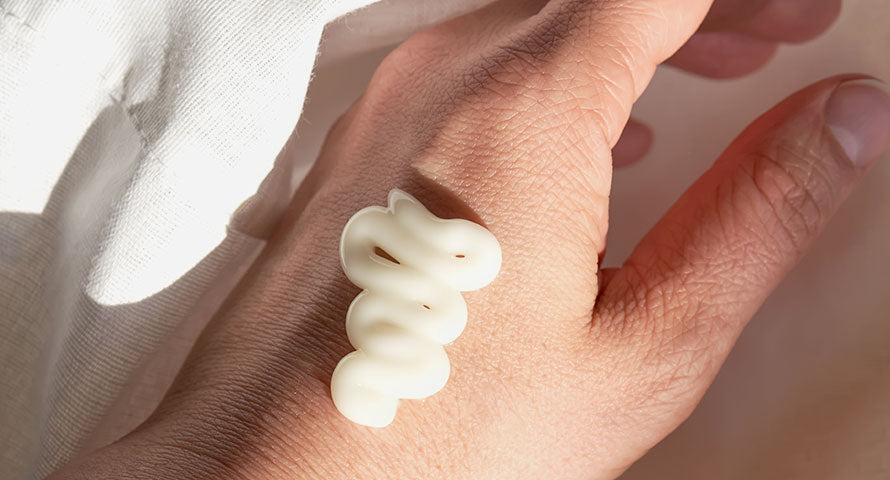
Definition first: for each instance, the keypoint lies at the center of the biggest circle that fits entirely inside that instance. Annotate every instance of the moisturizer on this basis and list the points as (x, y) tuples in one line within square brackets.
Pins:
[(410, 307)]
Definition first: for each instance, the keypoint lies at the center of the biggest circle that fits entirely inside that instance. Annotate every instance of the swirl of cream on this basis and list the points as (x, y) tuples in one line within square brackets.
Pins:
[(410, 307)]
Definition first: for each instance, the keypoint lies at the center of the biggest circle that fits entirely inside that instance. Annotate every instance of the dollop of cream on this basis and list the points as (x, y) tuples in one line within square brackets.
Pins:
[(410, 307)]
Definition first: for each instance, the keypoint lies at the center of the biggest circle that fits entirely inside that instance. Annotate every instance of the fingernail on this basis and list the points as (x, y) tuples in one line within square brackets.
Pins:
[(858, 114)]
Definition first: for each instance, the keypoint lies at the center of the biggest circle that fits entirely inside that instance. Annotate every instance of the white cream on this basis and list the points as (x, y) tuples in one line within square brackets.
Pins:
[(408, 310)]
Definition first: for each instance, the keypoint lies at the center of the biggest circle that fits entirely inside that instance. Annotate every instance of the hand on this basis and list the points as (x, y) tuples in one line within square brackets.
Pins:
[(507, 117)]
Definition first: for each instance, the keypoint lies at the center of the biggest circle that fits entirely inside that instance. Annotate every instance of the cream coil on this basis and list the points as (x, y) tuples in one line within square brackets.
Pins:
[(409, 308)]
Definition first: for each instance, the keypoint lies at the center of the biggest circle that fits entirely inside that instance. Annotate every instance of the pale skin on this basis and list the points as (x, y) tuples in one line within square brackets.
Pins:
[(508, 117)]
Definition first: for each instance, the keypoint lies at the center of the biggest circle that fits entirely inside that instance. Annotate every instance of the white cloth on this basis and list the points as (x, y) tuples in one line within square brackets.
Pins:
[(140, 168)]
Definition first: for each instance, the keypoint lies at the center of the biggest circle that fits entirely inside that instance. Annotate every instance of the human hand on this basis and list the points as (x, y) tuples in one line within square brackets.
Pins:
[(563, 371)]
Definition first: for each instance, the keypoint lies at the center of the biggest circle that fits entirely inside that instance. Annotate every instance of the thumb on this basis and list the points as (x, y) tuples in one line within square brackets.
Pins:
[(706, 267)]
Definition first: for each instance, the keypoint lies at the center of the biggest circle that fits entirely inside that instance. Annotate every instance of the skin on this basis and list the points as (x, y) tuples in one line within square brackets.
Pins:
[(508, 117)]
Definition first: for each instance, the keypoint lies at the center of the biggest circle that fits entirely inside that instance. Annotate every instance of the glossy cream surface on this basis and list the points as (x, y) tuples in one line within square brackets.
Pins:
[(409, 308)]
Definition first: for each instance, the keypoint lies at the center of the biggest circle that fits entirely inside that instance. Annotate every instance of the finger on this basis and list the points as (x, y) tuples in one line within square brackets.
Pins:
[(740, 36), (726, 14), (791, 21), (613, 47), (777, 20), (701, 273), (723, 54), (635, 142)]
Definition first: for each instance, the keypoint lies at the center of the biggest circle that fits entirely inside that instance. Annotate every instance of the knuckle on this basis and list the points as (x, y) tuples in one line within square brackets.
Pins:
[(517, 115), (789, 193), (400, 86), (395, 70)]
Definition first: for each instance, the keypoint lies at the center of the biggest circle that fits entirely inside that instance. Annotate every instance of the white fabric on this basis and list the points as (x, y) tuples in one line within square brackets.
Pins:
[(139, 170)]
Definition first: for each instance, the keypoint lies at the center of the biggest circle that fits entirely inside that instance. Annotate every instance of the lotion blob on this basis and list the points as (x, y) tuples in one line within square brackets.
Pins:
[(409, 308)]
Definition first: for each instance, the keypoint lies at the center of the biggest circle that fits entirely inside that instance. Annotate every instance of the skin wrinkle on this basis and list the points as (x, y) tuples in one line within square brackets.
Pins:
[(686, 357), (607, 92), (768, 244), (694, 329), (241, 417), (638, 27), (725, 208), (202, 451), (635, 303), (767, 178)]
